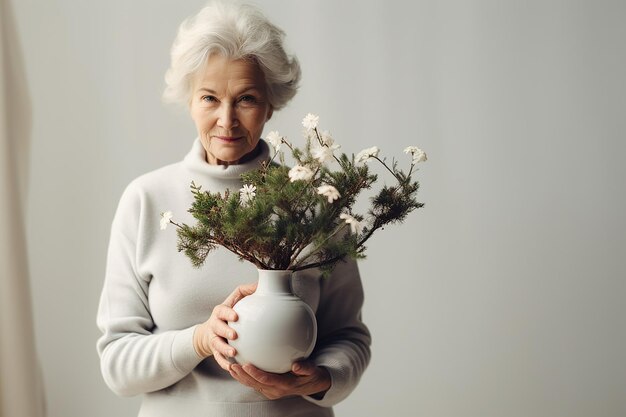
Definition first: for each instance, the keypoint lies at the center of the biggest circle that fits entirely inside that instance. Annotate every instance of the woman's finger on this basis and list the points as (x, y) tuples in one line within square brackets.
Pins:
[(304, 368), (270, 391), (222, 329), (237, 372), (220, 346), (244, 378), (221, 361), (239, 293), (224, 313), (262, 377)]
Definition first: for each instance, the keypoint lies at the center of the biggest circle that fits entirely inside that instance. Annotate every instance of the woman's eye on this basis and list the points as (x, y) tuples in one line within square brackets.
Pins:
[(248, 99), (209, 99)]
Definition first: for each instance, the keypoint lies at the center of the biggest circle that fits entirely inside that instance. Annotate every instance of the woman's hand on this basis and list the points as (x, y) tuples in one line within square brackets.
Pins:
[(210, 337), (305, 378)]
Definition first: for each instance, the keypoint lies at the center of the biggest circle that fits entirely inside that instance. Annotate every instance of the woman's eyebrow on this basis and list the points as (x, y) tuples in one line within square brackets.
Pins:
[(244, 90), (208, 90)]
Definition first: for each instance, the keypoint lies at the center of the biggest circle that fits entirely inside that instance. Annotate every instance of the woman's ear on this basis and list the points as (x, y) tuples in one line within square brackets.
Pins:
[(269, 113)]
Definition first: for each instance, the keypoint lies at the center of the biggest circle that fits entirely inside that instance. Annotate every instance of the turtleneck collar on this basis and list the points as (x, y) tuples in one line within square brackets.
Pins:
[(195, 161)]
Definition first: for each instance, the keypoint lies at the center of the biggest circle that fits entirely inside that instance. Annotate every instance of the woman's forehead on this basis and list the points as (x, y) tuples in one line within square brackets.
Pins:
[(221, 73)]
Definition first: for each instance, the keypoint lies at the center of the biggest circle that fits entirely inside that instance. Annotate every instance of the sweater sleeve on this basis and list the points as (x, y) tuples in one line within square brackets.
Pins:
[(343, 345), (133, 358)]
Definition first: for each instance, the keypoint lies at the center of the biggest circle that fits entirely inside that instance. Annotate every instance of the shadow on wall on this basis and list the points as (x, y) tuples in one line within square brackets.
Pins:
[(23, 396)]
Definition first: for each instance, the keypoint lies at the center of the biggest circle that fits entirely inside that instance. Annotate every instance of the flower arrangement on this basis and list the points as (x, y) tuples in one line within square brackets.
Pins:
[(300, 217)]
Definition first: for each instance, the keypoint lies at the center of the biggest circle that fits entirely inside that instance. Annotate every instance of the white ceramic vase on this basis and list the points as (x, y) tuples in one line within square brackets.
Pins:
[(275, 328)]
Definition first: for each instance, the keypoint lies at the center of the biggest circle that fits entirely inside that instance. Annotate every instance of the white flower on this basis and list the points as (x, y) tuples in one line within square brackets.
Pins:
[(366, 154), (299, 172), (418, 154), (324, 153), (355, 225), (247, 193), (165, 219), (274, 139), (328, 191), (310, 121)]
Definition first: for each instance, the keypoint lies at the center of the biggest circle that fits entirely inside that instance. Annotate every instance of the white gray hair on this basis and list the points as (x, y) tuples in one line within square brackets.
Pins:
[(236, 31)]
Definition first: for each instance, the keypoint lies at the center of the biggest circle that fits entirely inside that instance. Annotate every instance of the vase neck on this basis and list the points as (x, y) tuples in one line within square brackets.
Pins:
[(274, 282)]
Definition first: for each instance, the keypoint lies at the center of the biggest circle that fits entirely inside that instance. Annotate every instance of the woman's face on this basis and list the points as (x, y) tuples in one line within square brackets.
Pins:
[(229, 106)]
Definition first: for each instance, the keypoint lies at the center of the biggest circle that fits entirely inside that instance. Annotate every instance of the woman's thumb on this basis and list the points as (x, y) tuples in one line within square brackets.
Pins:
[(303, 368)]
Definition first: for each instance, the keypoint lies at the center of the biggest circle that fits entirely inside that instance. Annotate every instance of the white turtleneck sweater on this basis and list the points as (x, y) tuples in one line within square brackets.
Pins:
[(153, 298)]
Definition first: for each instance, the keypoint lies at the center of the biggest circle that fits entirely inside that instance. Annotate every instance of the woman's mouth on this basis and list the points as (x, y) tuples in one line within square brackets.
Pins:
[(228, 138)]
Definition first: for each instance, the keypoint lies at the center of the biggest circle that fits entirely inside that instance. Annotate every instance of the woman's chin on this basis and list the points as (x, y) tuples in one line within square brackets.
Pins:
[(227, 157), (229, 153)]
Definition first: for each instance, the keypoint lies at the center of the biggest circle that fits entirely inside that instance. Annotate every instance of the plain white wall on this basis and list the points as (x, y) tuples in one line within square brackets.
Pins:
[(501, 297)]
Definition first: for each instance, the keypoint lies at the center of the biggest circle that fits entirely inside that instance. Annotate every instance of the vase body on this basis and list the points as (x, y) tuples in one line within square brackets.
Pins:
[(275, 328)]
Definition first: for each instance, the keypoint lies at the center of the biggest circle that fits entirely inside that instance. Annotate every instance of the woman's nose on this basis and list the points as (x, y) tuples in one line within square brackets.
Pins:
[(227, 118)]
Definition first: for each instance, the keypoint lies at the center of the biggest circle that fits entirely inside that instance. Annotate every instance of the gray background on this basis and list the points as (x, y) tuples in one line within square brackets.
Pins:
[(503, 296)]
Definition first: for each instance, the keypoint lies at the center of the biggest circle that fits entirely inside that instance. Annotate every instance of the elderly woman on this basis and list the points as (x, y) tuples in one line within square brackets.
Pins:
[(164, 323)]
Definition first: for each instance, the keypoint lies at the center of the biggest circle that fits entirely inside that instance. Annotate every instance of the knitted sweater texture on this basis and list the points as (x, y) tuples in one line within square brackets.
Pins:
[(153, 298)]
